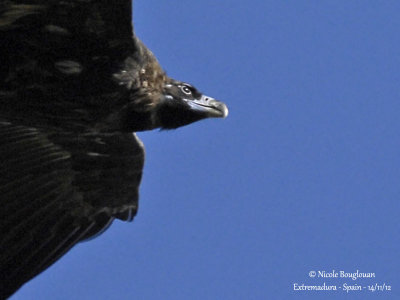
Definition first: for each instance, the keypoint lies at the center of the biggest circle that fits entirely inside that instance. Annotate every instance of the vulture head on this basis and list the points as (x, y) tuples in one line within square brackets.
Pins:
[(182, 104)]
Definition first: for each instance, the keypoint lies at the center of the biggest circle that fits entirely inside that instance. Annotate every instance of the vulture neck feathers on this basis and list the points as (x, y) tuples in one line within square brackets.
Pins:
[(156, 100)]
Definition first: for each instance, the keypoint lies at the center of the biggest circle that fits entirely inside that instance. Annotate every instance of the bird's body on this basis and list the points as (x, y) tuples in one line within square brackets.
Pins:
[(75, 83)]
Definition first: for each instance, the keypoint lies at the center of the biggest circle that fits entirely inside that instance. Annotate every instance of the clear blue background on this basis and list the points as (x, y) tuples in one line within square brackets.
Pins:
[(303, 175)]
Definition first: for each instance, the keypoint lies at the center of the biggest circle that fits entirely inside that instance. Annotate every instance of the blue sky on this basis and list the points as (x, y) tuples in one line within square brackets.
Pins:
[(303, 175)]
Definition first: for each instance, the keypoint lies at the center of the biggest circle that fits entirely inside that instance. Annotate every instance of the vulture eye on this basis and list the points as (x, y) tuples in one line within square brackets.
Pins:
[(186, 89)]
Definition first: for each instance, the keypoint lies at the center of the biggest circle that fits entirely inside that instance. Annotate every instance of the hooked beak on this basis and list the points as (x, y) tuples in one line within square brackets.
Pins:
[(211, 107)]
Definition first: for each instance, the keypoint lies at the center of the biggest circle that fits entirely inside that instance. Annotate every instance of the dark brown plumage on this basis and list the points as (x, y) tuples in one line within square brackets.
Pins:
[(74, 84)]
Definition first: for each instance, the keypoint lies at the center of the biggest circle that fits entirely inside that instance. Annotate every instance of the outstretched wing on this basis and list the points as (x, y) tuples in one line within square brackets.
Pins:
[(57, 189), (62, 177)]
